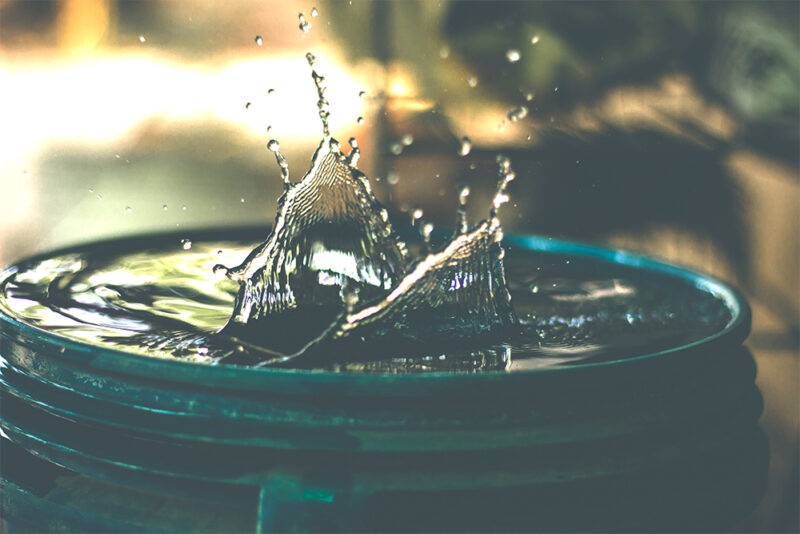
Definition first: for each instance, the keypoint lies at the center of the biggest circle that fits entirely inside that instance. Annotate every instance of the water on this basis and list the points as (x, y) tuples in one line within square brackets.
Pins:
[(152, 297), (334, 286)]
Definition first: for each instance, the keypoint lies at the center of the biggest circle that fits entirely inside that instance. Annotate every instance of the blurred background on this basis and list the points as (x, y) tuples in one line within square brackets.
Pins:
[(669, 128)]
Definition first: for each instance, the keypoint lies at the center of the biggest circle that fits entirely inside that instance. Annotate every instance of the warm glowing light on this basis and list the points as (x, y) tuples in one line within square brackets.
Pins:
[(402, 83), (98, 101)]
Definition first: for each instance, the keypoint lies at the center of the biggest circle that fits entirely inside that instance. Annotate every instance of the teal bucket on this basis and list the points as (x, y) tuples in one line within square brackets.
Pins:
[(103, 440)]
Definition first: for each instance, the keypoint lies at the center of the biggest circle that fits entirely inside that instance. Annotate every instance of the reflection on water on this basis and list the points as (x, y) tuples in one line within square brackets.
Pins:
[(162, 301)]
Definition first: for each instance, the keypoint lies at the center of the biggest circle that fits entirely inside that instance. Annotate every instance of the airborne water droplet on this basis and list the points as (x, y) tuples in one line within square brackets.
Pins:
[(472, 81), (463, 195), (259, 40), (360, 120), (535, 39), (518, 113), (427, 229), (304, 24), (128, 209), (396, 149), (142, 39), (273, 145), (407, 139), (466, 146), (186, 244), (314, 12), (444, 52), (513, 55), (247, 105), (165, 207)]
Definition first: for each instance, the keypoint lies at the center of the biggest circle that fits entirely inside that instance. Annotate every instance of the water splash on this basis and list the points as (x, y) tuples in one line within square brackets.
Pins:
[(335, 265)]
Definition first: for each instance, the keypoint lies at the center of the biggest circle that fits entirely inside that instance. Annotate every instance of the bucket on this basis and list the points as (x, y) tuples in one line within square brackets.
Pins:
[(96, 439)]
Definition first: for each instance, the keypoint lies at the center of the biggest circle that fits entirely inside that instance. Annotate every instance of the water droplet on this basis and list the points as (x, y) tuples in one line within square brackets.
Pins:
[(128, 209), (513, 55), (91, 190), (116, 156), (392, 178), (503, 162), (427, 229), (186, 244), (462, 225), (314, 12), (466, 146), (304, 24), (142, 39), (241, 200), (247, 105), (517, 114), (270, 91), (362, 94), (529, 97), (416, 215), (310, 58), (535, 39), (165, 207), (259, 40), (269, 128), (360, 120), (463, 195), (274, 145), (472, 81), (407, 139), (396, 149), (183, 208), (555, 89), (444, 52)]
